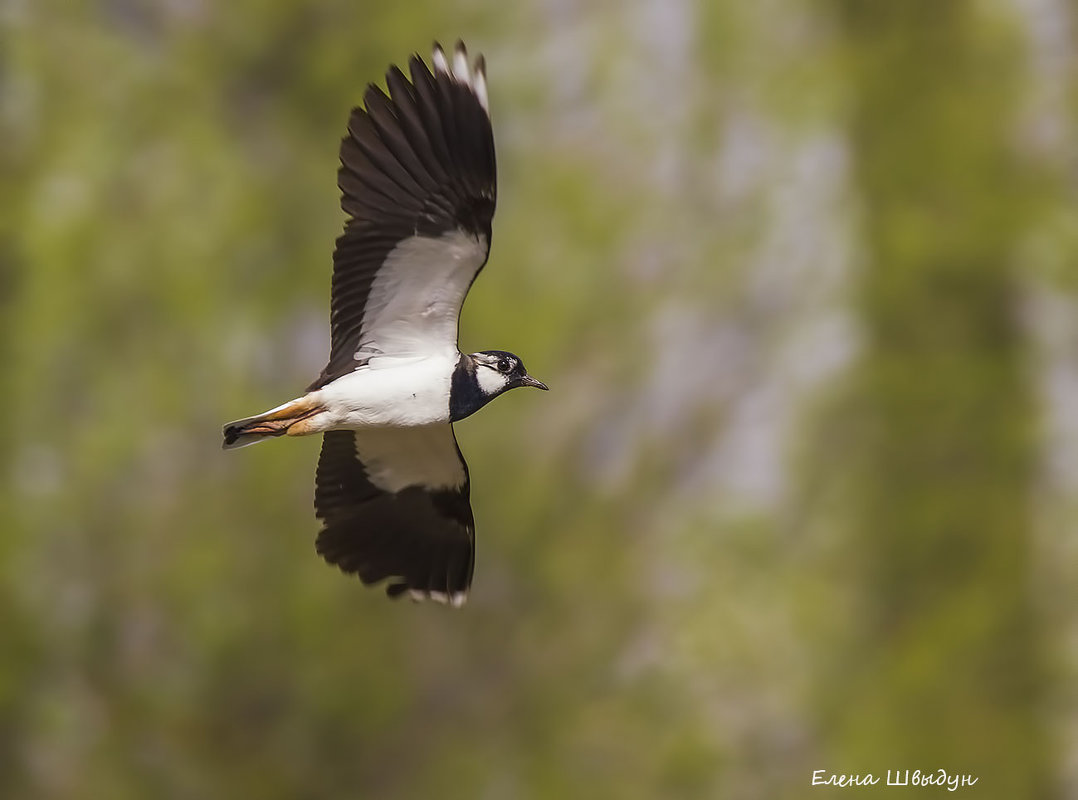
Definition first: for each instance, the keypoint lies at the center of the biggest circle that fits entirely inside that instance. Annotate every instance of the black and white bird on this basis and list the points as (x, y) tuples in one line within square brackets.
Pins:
[(418, 186)]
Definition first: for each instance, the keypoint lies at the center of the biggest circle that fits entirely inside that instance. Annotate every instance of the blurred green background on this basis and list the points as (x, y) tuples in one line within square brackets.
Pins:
[(801, 277)]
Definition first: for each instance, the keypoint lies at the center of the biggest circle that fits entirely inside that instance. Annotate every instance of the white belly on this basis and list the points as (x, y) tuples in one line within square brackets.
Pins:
[(397, 392)]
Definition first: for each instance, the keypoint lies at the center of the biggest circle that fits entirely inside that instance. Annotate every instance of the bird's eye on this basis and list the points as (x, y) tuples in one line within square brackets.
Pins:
[(503, 365)]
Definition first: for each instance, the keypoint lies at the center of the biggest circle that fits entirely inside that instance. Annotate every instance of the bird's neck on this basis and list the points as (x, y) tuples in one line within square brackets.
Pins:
[(465, 395)]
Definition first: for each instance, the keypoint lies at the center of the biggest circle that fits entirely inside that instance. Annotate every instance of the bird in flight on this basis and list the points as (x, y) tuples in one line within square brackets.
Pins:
[(418, 187)]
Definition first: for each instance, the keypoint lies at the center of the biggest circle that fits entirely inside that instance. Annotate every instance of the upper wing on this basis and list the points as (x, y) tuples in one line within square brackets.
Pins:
[(418, 183), (394, 504)]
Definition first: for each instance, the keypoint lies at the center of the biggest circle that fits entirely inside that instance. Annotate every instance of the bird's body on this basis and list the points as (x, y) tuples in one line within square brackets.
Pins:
[(418, 185), (403, 395)]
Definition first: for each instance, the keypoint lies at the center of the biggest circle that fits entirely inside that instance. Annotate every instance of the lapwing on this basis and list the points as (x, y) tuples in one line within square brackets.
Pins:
[(418, 188)]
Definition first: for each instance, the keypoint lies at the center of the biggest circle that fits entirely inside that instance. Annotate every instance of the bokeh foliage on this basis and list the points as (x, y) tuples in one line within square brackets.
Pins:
[(800, 276)]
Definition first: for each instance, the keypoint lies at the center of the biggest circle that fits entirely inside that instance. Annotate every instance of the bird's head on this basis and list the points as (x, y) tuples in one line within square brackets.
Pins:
[(497, 371), (480, 377)]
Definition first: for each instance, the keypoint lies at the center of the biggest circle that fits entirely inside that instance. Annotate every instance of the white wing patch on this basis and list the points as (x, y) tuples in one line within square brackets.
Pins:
[(480, 87), (438, 59), (414, 303), (456, 599), (425, 456), (462, 72)]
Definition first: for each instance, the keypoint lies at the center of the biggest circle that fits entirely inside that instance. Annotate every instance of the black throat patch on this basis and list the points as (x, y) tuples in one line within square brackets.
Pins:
[(465, 396)]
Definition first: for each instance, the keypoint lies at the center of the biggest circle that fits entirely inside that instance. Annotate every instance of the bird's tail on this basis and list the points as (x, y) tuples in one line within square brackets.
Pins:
[(293, 418)]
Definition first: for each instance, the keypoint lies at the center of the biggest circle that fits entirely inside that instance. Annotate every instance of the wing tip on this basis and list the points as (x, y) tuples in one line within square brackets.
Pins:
[(461, 71), (438, 59), (448, 599), (455, 599)]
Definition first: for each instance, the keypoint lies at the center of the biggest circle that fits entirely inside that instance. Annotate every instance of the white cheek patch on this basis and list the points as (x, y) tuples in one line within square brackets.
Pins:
[(490, 380)]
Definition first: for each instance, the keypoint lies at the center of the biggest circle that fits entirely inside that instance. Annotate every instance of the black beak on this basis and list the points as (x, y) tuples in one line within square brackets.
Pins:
[(528, 380)]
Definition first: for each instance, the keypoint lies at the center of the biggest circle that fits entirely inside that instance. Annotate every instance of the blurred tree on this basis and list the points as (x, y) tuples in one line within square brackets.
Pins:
[(651, 614), (946, 671)]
